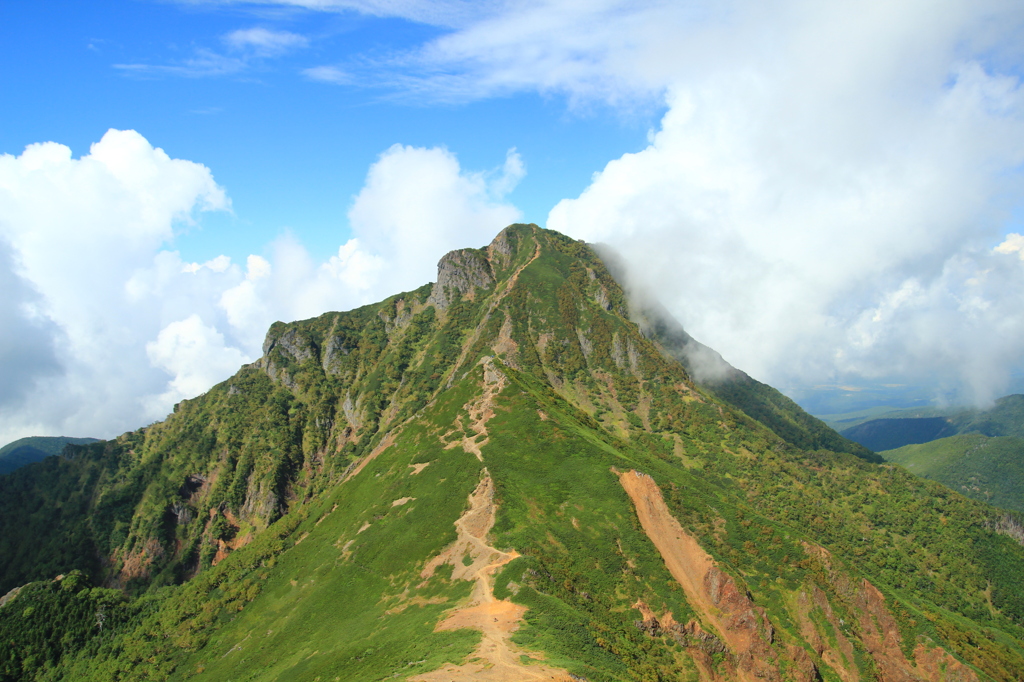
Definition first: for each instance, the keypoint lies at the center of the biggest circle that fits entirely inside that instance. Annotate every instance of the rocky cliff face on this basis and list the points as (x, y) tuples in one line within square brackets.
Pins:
[(445, 485), (461, 273)]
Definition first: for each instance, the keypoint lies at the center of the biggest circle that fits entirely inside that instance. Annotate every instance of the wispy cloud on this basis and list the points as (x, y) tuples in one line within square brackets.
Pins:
[(203, 64), (329, 74), (446, 13), (264, 42), (247, 47), (623, 53)]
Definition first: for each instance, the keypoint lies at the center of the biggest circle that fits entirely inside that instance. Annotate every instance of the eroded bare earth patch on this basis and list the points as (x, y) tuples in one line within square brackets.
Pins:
[(741, 625), (496, 658), (479, 411)]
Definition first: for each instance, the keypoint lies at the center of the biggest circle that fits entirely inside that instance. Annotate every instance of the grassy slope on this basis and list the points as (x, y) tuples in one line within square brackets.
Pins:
[(319, 593), (292, 605), (550, 472), (990, 469), (548, 476), (1005, 418), (324, 611)]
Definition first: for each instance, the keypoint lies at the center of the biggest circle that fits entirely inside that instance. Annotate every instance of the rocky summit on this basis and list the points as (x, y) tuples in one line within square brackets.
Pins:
[(519, 472)]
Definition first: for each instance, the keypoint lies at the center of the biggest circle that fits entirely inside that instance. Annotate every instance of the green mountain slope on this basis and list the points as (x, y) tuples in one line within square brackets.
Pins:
[(888, 434), (979, 453), (34, 449), (980, 467), (734, 387), (500, 476), (1005, 418)]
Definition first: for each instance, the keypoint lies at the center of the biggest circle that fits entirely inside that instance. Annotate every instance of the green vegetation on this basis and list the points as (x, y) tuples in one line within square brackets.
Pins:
[(278, 527), (888, 434), (48, 621), (980, 467)]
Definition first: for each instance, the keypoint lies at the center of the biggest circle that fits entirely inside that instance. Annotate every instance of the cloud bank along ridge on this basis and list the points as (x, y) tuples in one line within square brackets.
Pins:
[(828, 194), (825, 190), (823, 196), (105, 327)]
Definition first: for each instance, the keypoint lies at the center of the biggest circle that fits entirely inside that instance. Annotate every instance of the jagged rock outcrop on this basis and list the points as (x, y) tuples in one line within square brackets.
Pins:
[(460, 271), (301, 501), (1009, 526), (403, 314), (10, 596), (333, 350), (291, 343), (282, 350)]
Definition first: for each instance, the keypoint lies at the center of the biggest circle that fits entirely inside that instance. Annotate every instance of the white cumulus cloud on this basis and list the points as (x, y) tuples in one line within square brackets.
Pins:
[(823, 195), (418, 204), (84, 237), (103, 327), (196, 356)]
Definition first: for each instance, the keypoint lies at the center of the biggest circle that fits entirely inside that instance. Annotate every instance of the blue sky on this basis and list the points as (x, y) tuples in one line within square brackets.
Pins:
[(830, 194), (291, 151)]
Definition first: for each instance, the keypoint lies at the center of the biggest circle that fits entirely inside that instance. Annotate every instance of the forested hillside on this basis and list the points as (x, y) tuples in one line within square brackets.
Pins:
[(500, 476), (990, 469)]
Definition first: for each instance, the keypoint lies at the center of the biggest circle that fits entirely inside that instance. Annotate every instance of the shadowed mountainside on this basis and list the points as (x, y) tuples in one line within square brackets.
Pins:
[(1005, 418)]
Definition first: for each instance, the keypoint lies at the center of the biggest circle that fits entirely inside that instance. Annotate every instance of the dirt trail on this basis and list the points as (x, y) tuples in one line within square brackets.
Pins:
[(741, 624), (475, 336), (495, 659), (480, 410)]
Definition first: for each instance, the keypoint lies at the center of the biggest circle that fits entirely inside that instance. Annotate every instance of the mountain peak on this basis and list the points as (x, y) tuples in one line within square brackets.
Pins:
[(431, 487)]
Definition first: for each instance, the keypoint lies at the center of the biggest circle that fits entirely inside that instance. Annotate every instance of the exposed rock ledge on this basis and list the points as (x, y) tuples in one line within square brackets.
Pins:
[(463, 271)]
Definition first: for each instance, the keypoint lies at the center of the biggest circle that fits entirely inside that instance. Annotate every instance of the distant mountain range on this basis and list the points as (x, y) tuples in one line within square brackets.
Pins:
[(979, 453), (33, 449), (897, 428)]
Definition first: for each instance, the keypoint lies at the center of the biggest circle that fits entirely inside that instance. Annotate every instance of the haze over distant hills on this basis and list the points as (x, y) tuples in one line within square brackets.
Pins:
[(979, 453), (34, 449), (907, 427), (513, 473)]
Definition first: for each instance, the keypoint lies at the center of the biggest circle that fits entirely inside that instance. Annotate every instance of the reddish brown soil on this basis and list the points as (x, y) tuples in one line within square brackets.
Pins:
[(495, 659), (723, 607), (879, 633), (384, 444)]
